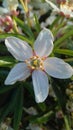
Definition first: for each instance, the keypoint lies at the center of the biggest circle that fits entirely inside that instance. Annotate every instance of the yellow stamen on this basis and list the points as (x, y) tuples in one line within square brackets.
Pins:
[(35, 63)]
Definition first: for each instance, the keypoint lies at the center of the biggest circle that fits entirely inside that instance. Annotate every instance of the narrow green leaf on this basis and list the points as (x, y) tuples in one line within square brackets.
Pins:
[(68, 59), (58, 28), (9, 107), (58, 94), (58, 43), (64, 51), (37, 25), (29, 87), (18, 108), (43, 119), (4, 35), (6, 88), (67, 125), (24, 27), (7, 61), (55, 22)]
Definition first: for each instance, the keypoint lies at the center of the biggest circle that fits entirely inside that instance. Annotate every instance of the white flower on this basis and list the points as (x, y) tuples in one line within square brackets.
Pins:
[(31, 111), (65, 9), (4, 126), (34, 127), (37, 63), (8, 6), (8, 9)]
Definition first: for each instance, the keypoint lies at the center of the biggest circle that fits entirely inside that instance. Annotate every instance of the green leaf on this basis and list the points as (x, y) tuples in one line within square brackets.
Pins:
[(6, 88), (4, 35), (58, 43), (55, 22), (69, 60), (43, 119), (37, 25), (6, 61), (9, 107), (67, 125), (42, 106), (64, 51), (72, 78), (18, 108), (59, 94), (24, 27)]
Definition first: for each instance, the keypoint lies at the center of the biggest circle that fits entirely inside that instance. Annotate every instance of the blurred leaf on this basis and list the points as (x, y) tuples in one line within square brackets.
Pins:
[(37, 25), (64, 51), (18, 108), (59, 94), (62, 104), (61, 25), (58, 43), (69, 60), (55, 22), (25, 28), (72, 78), (42, 106), (67, 125), (43, 119), (4, 35), (7, 61), (10, 106), (6, 88), (29, 87)]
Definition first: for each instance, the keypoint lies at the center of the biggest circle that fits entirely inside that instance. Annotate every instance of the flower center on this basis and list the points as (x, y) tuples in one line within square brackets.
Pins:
[(66, 6), (34, 63)]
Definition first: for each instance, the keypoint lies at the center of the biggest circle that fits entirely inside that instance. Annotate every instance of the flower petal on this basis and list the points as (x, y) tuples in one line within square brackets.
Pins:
[(10, 4), (3, 11), (18, 48), (18, 73), (41, 86), (43, 45), (53, 5), (58, 68)]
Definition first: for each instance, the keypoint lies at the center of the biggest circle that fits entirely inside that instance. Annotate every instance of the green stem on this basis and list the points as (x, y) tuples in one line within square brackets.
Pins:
[(24, 5), (15, 28), (66, 123)]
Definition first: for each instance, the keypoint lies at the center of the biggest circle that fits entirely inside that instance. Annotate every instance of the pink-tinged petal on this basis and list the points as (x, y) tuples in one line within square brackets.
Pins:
[(18, 73), (57, 68), (41, 85), (18, 48), (53, 5), (43, 45)]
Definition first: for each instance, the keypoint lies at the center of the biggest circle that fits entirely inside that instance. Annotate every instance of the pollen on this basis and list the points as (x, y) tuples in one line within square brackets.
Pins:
[(35, 63)]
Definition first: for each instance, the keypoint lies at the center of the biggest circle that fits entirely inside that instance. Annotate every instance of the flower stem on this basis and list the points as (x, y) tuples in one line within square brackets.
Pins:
[(66, 123), (24, 4)]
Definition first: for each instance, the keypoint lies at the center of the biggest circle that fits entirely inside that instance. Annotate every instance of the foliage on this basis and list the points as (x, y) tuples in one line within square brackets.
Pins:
[(56, 112)]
